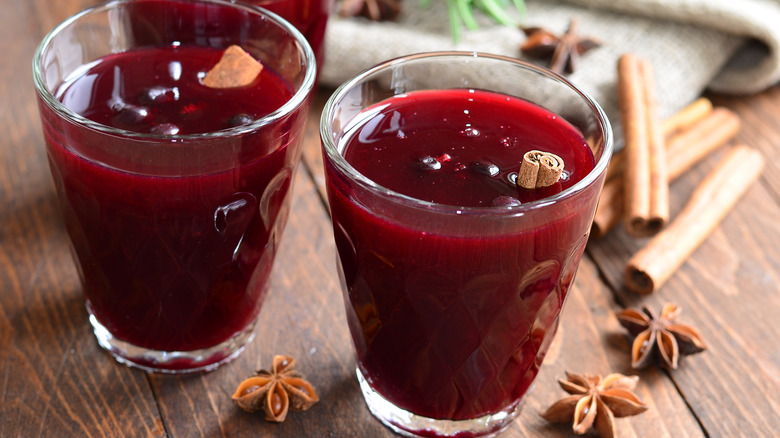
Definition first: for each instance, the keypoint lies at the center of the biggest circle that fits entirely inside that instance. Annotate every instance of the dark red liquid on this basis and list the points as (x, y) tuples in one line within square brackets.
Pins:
[(174, 256), (451, 314), (309, 16)]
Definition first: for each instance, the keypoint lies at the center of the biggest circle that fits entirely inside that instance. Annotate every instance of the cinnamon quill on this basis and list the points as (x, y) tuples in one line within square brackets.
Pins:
[(683, 150), (652, 266), (646, 184)]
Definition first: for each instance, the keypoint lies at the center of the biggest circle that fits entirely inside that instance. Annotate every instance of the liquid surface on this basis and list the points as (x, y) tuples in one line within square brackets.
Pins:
[(158, 90), (456, 147)]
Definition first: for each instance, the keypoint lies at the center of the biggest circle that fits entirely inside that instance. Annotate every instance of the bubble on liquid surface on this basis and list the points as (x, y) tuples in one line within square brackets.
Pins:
[(484, 167), (427, 163), (165, 129), (505, 201), (508, 142), (565, 175), (512, 178), (471, 132)]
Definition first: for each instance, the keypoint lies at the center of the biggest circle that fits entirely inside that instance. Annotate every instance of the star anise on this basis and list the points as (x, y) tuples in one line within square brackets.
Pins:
[(660, 339), (375, 10), (595, 402), (276, 391), (564, 51)]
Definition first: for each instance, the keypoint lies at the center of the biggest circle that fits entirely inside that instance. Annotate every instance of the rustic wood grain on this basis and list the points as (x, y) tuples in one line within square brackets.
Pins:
[(55, 381), (730, 291)]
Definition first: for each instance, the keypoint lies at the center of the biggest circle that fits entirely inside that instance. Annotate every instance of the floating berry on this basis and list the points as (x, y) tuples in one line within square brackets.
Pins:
[(131, 115), (165, 129), (505, 201), (157, 95), (240, 119), (427, 163), (484, 168)]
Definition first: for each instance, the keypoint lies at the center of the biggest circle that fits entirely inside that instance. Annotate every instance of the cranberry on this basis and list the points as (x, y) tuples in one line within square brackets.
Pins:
[(157, 95), (131, 115), (165, 129), (484, 168), (240, 119), (427, 163), (505, 201)]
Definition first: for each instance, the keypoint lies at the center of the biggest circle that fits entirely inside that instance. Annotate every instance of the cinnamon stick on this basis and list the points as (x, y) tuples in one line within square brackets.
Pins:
[(683, 150), (695, 111), (646, 184), (652, 266)]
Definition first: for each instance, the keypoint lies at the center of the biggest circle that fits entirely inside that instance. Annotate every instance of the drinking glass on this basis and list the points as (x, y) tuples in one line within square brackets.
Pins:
[(452, 309), (309, 16), (174, 236)]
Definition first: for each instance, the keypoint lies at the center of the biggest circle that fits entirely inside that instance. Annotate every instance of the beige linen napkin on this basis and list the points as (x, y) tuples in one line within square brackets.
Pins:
[(729, 46)]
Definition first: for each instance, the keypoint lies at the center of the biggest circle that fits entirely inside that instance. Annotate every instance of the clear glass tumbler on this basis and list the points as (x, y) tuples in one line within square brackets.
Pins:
[(452, 308), (174, 234)]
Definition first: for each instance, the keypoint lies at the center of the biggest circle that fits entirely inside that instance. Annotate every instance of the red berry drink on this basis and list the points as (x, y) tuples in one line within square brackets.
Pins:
[(309, 16), (175, 194), (453, 275)]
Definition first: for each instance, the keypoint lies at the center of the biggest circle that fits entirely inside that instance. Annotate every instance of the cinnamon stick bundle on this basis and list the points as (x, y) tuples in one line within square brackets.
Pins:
[(646, 182), (652, 266), (683, 150)]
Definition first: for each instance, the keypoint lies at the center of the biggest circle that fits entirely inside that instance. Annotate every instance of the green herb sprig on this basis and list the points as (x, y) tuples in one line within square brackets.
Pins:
[(461, 13)]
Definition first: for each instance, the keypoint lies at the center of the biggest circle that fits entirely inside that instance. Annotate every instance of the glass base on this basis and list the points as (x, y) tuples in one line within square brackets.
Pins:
[(172, 362), (406, 423)]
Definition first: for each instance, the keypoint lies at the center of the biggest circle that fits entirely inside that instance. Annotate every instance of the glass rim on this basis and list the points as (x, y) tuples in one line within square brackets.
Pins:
[(295, 102), (345, 167)]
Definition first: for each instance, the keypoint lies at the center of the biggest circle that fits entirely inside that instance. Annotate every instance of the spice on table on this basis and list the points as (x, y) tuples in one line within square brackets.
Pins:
[(236, 68), (564, 51), (595, 402), (709, 204), (681, 120), (375, 10), (539, 169), (276, 391), (659, 339), (683, 150), (646, 184)]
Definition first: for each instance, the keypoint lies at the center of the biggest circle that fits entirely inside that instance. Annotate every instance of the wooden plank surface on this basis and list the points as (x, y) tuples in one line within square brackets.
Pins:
[(55, 381)]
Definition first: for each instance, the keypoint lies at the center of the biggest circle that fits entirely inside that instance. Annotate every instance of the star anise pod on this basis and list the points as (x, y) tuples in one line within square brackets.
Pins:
[(659, 338), (375, 10), (595, 402), (564, 51), (276, 391)]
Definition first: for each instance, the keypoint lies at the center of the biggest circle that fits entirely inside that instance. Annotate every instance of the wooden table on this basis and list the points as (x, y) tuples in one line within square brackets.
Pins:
[(56, 382)]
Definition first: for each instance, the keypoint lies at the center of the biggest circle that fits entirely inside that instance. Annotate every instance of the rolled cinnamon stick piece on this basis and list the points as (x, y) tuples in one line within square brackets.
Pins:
[(682, 151), (717, 194), (646, 184), (539, 169)]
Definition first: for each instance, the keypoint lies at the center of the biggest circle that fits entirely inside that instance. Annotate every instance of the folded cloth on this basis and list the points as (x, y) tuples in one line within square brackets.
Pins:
[(726, 46)]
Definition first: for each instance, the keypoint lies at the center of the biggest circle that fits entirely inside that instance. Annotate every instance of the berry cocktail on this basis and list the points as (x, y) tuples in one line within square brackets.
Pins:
[(309, 16), (174, 193), (454, 275)]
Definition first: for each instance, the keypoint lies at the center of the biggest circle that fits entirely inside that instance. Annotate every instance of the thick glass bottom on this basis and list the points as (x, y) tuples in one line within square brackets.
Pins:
[(172, 362), (406, 423)]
